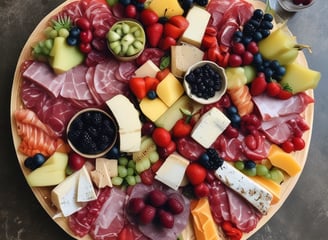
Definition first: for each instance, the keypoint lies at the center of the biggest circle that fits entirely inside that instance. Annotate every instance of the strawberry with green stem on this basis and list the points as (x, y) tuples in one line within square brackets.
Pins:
[(183, 127)]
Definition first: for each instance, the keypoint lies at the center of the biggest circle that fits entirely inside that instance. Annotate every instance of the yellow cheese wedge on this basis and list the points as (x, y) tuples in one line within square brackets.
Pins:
[(285, 161), (273, 187), (169, 90), (167, 8), (152, 109), (204, 225)]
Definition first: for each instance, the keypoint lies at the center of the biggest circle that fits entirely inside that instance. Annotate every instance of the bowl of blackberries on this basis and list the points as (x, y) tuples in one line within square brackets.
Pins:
[(92, 132), (205, 82)]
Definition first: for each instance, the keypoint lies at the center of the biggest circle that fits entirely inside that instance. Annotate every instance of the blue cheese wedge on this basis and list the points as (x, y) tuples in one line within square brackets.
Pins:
[(71, 194), (254, 193), (198, 19), (128, 121), (172, 172), (209, 127)]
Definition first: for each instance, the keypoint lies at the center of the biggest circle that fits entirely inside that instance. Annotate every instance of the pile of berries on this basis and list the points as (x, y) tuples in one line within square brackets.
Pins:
[(81, 35), (210, 159), (204, 81), (92, 132)]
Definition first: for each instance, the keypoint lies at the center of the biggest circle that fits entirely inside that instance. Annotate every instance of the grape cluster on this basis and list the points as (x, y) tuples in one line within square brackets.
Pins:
[(255, 29), (271, 69), (127, 173), (210, 159), (250, 168), (204, 81), (91, 132)]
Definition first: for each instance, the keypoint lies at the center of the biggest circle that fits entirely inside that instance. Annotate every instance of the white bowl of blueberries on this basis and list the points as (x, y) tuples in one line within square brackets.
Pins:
[(205, 82)]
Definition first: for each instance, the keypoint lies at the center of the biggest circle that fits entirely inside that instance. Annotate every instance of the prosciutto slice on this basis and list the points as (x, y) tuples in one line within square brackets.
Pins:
[(110, 220), (243, 215)]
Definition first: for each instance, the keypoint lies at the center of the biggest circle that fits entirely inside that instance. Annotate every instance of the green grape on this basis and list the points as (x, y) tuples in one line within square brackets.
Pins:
[(139, 167), (268, 175), (239, 165), (261, 170), (138, 179), (132, 164), (146, 163), (53, 34), (123, 161), (63, 32), (130, 171), (122, 171), (153, 157), (45, 51), (49, 43), (250, 172), (277, 175), (117, 181), (131, 180), (37, 49), (47, 31)]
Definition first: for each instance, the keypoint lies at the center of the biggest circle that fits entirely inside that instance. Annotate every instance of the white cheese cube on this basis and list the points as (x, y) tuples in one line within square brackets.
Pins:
[(128, 121), (254, 193), (85, 190), (182, 57), (148, 69), (172, 172), (198, 19), (209, 127)]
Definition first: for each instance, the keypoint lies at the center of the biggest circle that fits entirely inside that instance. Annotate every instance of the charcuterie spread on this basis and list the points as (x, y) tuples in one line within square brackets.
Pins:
[(154, 119)]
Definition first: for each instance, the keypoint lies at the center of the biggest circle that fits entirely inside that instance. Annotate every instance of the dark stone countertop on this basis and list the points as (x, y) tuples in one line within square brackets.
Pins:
[(304, 215)]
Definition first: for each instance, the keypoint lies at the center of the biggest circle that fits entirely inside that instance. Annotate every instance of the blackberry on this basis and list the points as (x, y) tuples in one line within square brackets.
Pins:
[(97, 118), (210, 159)]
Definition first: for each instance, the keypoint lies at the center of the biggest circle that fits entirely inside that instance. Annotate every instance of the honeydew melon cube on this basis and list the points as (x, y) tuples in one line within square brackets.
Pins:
[(169, 90), (51, 173), (63, 56), (152, 108), (300, 78)]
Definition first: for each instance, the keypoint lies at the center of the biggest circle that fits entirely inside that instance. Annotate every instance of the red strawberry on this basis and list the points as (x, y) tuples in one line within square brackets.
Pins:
[(284, 94), (166, 43), (273, 89), (148, 17), (154, 33), (258, 86), (138, 87), (201, 190), (151, 83)]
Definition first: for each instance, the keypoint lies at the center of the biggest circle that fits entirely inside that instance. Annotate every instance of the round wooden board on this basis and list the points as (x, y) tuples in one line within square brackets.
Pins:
[(43, 193)]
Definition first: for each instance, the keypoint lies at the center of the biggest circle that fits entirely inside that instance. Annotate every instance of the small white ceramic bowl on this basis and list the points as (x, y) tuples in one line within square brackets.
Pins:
[(289, 6), (218, 94)]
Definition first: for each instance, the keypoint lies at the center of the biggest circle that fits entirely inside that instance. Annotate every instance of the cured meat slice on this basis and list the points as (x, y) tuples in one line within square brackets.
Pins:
[(154, 54), (36, 137), (229, 149), (125, 71), (43, 75), (75, 85), (32, 95), (105, 83), (110, 220), (189, 148), (270, 107), (243, 215), (80, 222), (151, 230), (218, 201)]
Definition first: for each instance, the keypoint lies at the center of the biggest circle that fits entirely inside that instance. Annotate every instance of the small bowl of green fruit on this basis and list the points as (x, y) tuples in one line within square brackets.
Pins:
[(92, 132), (126, 39)]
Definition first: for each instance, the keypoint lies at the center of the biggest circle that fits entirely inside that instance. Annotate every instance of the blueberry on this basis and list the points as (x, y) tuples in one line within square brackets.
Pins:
[(34, 162), (75, 32), (249, 164), (257, 36), (151, 94), (114, 153), (125, 2), (235, 120), (232, 110), (268, 17), (72, 41)]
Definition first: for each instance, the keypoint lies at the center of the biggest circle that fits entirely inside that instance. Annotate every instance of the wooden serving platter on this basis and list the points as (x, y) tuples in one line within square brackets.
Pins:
[(42, 194)]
